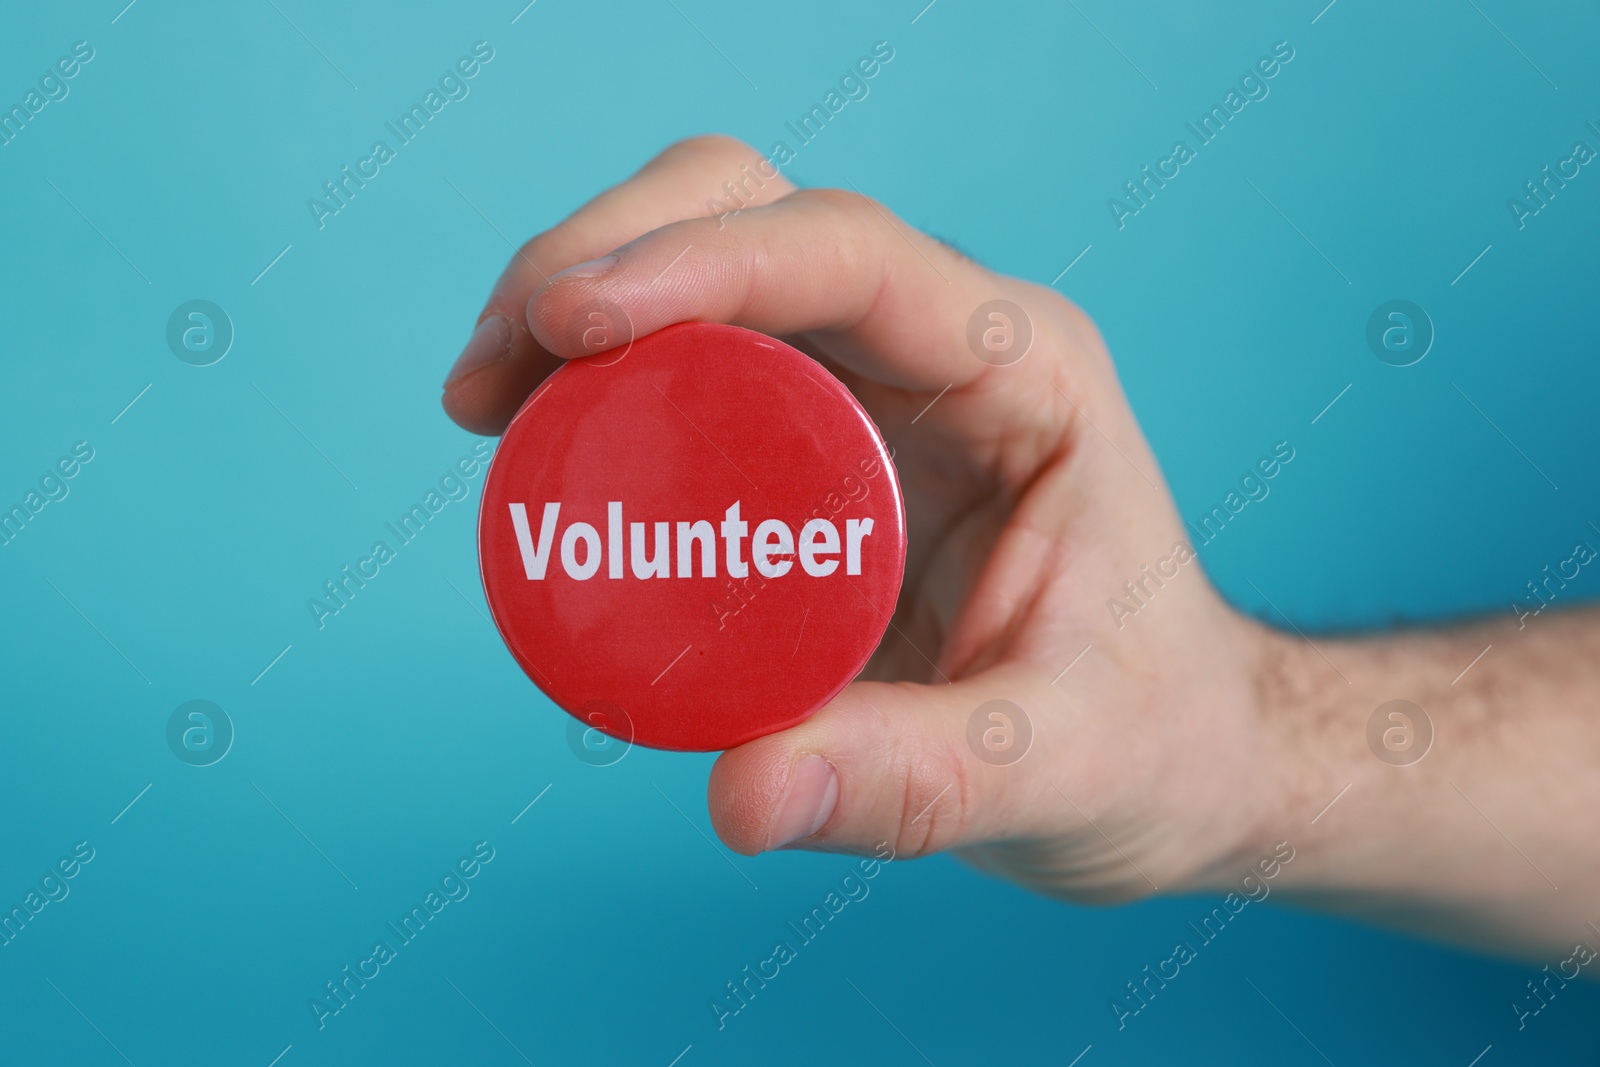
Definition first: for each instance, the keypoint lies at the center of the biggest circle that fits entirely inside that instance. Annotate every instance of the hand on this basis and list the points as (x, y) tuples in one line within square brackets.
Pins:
[(1031, 499)]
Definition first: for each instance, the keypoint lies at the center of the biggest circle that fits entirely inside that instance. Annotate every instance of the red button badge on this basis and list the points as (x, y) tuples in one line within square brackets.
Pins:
[(695, 543)]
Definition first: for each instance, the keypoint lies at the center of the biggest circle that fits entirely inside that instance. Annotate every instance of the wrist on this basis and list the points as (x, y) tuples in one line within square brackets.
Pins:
[(1305, 711), (1307, 724), (1353, 786), (1286, 778), (1435, 821)]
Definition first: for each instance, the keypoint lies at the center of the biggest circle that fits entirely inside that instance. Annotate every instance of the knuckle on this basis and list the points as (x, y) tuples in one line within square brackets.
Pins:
[(1051, 299), (1068, 311), (537, 258), (529, 250), (711, 147), (1049, 303), (841, 200), (857, 225), (936, 801)]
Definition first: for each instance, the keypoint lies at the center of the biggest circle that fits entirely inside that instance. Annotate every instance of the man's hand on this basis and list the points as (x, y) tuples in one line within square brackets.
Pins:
[(1171, 751), (1030, 498)]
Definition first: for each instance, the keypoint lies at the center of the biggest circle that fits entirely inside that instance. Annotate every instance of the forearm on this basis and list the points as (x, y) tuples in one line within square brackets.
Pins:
[(1492, 837)]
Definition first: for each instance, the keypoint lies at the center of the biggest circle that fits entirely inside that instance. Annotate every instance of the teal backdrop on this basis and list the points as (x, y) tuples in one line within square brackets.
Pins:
[(363, 760)]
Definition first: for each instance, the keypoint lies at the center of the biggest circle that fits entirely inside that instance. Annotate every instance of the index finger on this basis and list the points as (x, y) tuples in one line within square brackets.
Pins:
[(887, 302), (502, 362)]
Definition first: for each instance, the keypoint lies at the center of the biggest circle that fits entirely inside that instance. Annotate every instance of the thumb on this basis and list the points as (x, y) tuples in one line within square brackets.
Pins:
[(921, 767)]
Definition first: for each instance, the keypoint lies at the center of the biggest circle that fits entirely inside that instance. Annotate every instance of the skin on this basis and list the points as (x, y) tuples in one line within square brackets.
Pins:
[(1187, 744)]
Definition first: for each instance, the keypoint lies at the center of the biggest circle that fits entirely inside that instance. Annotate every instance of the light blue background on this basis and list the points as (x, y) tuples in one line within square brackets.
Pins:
[(403, 732)]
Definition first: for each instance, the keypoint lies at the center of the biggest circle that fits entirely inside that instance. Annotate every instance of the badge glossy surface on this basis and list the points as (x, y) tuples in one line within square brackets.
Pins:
[(693, 544)]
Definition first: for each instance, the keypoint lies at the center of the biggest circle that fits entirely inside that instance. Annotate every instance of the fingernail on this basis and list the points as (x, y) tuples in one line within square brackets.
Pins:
[(490, 343), (593, 268), (812, 796)]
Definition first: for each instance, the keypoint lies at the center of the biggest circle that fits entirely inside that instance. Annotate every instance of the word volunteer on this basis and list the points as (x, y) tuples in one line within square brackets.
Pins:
[(773, 539)]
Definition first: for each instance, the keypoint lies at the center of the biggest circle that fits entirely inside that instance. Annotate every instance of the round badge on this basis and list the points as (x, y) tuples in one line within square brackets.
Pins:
[(706, 538)]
